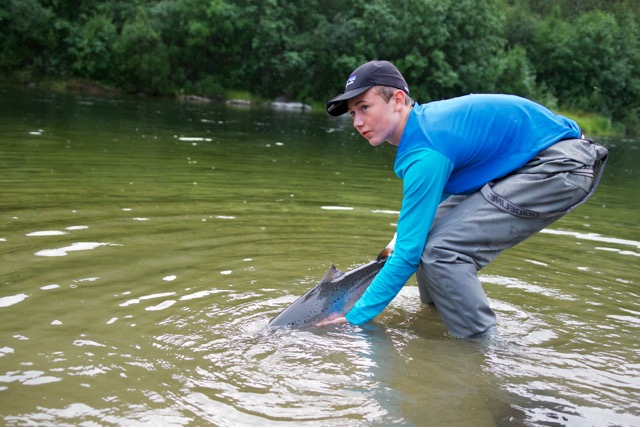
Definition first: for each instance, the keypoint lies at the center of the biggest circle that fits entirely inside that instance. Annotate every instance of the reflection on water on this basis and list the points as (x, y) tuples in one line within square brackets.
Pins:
[(146, 245)]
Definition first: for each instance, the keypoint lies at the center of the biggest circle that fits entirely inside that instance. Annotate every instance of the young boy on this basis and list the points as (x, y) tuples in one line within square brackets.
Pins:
[(480, 174)]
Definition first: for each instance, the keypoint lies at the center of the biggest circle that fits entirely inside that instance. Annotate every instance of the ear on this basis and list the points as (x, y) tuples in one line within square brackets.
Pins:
[(399, 100)]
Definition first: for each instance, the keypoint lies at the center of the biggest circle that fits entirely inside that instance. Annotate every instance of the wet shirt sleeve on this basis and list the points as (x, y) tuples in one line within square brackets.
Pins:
[(424, 173)]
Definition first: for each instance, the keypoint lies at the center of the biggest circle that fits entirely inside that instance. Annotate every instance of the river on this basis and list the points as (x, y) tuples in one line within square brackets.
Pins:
[(146, 244)]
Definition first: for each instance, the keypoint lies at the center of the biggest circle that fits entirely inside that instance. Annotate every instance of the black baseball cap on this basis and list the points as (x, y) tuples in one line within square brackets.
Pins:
[(364, 77)]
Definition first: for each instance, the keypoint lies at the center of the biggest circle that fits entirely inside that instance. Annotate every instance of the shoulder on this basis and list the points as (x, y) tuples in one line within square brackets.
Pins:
[(421, 160)]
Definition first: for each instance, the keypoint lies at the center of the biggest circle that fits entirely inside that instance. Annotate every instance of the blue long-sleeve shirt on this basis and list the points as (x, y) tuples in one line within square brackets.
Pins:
[(453, 147)]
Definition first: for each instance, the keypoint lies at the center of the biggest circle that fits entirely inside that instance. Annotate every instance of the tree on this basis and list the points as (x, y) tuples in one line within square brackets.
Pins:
[(27, 33), (91, 48), (140, 56), (589, 63)]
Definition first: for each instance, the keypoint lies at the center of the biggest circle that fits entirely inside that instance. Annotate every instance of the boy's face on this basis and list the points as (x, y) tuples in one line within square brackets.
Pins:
[(375, 119)]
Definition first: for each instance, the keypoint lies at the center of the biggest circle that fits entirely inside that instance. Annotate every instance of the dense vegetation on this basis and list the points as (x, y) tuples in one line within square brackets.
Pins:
[(574, 54)]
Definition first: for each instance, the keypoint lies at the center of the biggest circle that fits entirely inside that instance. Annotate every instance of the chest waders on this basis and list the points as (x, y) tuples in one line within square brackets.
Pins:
[(469, 231), (595, 171)]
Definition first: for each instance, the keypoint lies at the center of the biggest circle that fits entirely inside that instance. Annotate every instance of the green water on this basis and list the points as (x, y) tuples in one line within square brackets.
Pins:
[(145, 244)]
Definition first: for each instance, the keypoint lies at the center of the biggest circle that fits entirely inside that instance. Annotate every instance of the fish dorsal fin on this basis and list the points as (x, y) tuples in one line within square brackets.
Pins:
[(331, 274)]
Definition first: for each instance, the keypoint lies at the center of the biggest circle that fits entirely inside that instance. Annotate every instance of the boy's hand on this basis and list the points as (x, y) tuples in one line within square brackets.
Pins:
[(332, 319)]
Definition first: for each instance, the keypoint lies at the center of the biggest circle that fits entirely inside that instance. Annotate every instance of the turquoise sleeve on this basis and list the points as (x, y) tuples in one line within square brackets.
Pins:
[(424, 173)]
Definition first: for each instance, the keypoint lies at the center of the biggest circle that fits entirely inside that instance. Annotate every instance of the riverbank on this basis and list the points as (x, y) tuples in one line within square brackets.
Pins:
[(592, 124)]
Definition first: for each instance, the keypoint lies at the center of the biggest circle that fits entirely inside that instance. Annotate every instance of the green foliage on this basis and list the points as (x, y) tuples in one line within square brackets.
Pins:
[(592, 124), (452, 47), (591, 64), (26, 36), (140, 56), (516, 74), (90, 48), (583, 55)]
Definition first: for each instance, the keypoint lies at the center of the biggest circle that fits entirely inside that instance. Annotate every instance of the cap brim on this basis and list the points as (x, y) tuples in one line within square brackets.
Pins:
[(338, 105)]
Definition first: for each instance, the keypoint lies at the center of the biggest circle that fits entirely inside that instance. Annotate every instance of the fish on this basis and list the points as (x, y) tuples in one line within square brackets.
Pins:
[(336, 293)]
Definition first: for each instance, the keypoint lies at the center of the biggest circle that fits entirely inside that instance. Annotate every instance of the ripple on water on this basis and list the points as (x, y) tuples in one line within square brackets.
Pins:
[(172, 234), (12, 300), (76, 246)]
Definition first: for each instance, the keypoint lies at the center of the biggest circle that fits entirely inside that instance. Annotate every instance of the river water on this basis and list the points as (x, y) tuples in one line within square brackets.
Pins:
[(145, 244)]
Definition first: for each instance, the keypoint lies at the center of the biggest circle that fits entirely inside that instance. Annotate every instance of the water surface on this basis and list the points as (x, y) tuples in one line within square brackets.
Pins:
[(145, 245)]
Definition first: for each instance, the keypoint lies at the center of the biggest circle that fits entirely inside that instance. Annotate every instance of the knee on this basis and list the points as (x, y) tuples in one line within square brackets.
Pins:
[(438, 254), (432, 267), (440, 263)]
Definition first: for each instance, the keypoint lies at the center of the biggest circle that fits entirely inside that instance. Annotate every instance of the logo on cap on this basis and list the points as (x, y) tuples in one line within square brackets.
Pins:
[(351, 80)]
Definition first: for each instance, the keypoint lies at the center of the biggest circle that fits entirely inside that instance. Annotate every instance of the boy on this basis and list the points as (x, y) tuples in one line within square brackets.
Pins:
[(480, 174)]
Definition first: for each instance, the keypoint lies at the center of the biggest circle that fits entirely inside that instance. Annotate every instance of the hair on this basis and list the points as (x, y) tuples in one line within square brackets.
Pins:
[(387, 92)]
